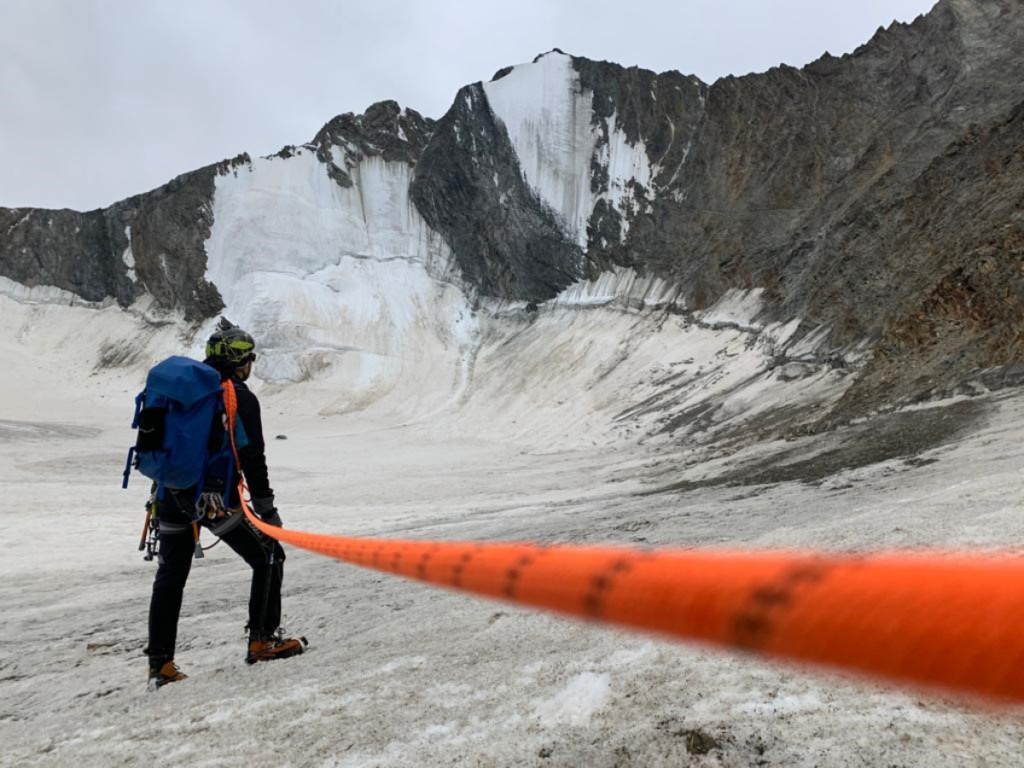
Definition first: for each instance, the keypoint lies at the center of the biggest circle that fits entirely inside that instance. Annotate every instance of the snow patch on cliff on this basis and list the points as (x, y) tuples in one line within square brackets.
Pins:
[(629, 171), (738, 308), (548, 116), (47, 294), (128, 257), (622, 285)]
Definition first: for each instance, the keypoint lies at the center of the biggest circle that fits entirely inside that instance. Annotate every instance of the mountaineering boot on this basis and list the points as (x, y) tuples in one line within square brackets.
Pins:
[(167, 672), (275, 646)]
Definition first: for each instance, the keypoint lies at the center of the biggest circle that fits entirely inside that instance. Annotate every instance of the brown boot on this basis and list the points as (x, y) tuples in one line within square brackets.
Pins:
[(167, 672), (263, 648)]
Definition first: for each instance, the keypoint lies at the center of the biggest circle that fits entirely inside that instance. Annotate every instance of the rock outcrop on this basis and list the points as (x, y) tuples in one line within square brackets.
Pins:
[(149, 244)]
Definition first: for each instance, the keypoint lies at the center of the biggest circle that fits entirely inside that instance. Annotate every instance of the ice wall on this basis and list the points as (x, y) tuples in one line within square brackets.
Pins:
[(345, 283)]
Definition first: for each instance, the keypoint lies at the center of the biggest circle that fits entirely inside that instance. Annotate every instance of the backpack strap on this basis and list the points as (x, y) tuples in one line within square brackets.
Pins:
[(231, 477), (139, 400), (231, 409), (128, 467)]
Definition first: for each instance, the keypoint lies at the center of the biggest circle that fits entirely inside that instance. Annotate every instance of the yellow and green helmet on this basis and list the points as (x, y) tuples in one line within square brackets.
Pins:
[(231, 345)]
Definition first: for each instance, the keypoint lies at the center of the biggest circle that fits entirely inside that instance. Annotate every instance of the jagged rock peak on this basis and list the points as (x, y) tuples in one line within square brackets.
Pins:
[(581, 63), (385, 129), (950, 23), (540, 56), (859, 193)]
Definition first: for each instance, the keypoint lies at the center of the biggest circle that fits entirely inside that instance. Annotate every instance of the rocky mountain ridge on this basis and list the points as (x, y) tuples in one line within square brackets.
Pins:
[(877, 196)]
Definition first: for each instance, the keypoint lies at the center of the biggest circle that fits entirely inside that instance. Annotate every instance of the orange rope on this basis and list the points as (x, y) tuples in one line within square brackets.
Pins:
[(948, 621), (230, 412)]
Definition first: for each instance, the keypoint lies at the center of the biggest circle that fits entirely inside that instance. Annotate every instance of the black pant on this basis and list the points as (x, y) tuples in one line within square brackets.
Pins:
[(175, 561)]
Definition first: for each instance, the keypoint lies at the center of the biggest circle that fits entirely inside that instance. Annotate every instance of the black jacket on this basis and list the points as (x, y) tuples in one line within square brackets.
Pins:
[(253, 456)]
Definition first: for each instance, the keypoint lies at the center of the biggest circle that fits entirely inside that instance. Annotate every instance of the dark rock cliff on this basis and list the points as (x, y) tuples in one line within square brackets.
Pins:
[(84, 252), (384, 130), (79, 252), (469, 187)]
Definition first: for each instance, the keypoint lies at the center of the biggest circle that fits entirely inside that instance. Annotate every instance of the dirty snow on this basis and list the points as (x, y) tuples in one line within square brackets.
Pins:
[(45, 294), (576, 703)]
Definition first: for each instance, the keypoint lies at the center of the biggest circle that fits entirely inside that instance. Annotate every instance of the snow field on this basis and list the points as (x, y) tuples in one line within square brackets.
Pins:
[(403, 675)]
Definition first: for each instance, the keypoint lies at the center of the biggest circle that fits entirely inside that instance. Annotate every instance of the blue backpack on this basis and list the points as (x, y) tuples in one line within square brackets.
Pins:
[(181, 419)]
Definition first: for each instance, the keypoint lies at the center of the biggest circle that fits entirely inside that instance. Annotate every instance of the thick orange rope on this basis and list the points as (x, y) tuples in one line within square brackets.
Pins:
[(230, 412), (948, 621)]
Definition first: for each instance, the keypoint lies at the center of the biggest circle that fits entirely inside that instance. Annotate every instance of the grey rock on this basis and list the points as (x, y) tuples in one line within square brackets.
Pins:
[(78, 252), (795, 371), (385, 130), (469, 187), (84, 252)]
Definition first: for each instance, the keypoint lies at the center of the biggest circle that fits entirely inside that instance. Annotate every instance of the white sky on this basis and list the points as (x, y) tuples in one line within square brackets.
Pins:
[(102, 99)]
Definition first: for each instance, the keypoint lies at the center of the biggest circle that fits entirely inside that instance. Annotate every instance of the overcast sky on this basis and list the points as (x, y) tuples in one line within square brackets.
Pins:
[(102, 99)]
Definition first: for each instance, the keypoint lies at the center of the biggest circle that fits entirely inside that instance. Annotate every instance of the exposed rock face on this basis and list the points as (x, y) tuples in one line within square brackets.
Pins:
[(766, 180), (955, 254), (171, 226), (469, 187), (79, 252), (152, 243), (385, 130), (879, 194), (858, 137)]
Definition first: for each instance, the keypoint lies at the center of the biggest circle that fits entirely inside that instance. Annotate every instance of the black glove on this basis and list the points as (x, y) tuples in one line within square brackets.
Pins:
[(266, 511)]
